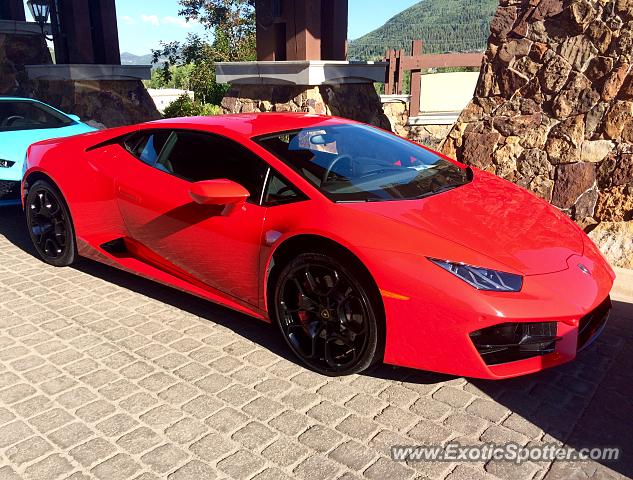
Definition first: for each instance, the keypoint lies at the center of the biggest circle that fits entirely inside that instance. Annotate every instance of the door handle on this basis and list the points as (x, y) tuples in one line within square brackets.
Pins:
[(129, 195)]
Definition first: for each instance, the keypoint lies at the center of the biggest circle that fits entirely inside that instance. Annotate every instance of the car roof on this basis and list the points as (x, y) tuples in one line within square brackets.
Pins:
[(26, 99), (252, 124), (13, 99)]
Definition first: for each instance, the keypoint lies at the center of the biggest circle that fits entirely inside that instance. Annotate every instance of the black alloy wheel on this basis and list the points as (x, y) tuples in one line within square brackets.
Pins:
[(326, 315), (50, 225)]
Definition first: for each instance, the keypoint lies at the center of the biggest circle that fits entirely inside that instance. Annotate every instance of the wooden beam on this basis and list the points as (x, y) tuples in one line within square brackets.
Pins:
[(265, 31), (416, 81), (442, 61), (309, 42), (334, 22), (391, 72), (12, 10), (303, 30), (291, 33), (399, 63), (399, 71), (105, 32), (75, 41)]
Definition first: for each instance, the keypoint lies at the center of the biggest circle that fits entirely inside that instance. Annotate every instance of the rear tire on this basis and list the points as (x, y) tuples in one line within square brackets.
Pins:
[(327, 314), (50, 225)]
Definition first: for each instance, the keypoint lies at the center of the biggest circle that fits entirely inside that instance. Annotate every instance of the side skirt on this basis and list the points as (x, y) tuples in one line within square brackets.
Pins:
[(131, 257)]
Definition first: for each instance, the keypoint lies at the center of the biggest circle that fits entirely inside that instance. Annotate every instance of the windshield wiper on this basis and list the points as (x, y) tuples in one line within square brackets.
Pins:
[(445, 188), (439, 190)]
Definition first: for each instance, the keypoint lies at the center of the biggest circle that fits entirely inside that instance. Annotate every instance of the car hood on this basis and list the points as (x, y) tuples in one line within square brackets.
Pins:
[(494, 218), (13, 145)]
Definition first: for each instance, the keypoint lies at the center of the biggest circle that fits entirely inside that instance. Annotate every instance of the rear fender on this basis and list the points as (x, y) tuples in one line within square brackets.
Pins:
[(75, 166)]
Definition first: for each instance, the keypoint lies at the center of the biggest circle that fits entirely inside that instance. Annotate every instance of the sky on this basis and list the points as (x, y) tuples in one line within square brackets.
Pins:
[(144, 23)]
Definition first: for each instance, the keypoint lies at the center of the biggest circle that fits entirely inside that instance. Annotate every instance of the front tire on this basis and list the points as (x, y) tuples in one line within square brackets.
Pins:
[(327, 314), (50, 225)]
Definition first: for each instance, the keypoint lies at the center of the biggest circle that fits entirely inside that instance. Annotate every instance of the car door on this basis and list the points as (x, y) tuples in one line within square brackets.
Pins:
[(217, 245)]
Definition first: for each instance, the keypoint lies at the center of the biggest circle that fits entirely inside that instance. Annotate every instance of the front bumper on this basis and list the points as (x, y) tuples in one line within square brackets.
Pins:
[(512, 342), (10, 184), (430, 324), (9, 192)]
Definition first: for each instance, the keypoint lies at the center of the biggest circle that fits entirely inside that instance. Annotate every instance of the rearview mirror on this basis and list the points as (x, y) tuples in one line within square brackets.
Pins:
[(76, 118), (218, 192), (324, 139)]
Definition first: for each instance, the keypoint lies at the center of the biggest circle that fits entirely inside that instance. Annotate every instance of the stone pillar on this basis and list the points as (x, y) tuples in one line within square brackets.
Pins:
[(20, 44), (101, 103), (106, 95), (327, 88), (553, 110), (358, 102)]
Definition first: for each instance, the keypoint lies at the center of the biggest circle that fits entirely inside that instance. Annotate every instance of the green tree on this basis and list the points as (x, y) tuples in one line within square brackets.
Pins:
[(179, 77), (231, 24), (184, 106)]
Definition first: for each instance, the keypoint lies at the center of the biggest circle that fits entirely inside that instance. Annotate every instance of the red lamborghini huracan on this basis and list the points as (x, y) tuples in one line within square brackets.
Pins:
[(359, 245)]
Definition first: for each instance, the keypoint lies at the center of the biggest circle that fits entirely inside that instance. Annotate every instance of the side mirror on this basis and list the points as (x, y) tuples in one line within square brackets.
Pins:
[(76, 118), (218, 192)]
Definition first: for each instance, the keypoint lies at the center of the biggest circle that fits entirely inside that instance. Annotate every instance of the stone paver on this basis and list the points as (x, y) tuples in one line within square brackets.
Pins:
[(108, 376)]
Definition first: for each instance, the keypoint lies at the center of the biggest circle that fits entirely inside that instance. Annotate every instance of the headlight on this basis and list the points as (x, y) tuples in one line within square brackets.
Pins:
[(6, 163), (483, 278)]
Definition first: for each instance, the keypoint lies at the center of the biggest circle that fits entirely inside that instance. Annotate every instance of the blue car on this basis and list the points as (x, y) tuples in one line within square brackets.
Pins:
[(23, 122)]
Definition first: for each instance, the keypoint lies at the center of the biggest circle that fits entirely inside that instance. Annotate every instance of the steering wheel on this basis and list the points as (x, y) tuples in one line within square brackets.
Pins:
[(332, 165), (11, 120), (281, 192)]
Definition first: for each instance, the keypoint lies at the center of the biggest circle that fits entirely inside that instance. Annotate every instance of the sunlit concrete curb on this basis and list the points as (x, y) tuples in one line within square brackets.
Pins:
[(623, 288)]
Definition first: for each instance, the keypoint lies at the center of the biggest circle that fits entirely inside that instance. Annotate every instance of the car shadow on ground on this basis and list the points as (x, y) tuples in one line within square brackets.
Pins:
[(586, 403), (13, 228)]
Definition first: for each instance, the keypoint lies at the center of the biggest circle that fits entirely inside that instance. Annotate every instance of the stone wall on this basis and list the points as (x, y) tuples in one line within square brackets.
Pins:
[(355, 101), (16, 51), (553, 109), (616, 242), (398, 114), (430, 135)]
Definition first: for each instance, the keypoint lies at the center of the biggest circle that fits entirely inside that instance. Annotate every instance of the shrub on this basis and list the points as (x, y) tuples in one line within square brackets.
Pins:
[(185, 106), (210, 110)]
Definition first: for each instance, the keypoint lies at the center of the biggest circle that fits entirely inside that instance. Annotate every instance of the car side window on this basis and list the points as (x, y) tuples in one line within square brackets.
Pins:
[(279, 191), (195, 157), (146, 146)]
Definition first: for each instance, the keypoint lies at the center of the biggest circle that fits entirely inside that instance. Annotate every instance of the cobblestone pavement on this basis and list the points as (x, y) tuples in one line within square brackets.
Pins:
[(105, 375)]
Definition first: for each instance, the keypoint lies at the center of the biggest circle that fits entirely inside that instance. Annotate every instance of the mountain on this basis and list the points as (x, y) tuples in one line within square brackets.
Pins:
[(444, 25), (131, 59)]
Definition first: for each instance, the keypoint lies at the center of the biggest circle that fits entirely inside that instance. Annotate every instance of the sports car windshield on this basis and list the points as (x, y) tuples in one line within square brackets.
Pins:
[(357, 163), (25, 115)]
